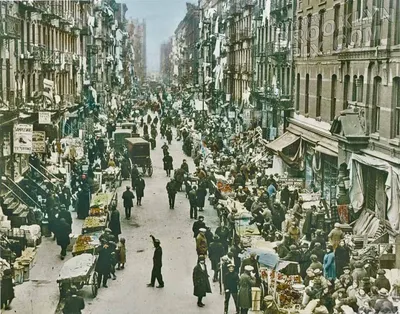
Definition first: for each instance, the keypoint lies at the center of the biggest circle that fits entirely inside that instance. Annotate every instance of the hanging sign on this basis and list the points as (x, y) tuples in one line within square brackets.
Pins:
[(23, 138), (44, 117), (39, 142)]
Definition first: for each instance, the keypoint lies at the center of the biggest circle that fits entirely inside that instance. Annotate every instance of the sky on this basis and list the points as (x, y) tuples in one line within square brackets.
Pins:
[(162, 17)]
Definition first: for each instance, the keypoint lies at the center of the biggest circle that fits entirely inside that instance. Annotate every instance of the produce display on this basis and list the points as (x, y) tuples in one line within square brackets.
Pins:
[(94, 223), (86, 243), (288, 296), (224, 188), (97, 211)]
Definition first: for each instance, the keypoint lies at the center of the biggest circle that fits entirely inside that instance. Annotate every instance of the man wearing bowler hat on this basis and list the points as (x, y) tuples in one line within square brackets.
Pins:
[(128, 197), (157, 264)]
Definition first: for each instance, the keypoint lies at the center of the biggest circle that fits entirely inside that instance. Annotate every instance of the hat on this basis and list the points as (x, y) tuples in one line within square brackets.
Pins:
[(128, 187), (156, 241), (269, 298), (248, 268), (231, 265), (108, 230), (317, 244), (337, 225), (346, 268), (381, 272), (202, 229), (383, 292), (201, 217), (202, 257), (317, 271)]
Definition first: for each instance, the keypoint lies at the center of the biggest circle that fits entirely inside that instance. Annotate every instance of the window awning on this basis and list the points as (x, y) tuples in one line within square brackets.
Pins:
[(325, 151), (282, 142)]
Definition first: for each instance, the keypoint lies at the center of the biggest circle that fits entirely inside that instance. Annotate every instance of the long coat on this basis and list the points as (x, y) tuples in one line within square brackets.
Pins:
[(244, 295), (329, 266), (115, 223), (167, 160), (201, 196), (128, 197), (62, 233), (342, 259), (103, 265), (200, 281), (140, 185), (201, 244)]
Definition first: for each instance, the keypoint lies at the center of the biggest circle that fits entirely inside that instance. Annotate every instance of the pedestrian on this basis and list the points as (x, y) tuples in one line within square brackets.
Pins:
[(114, 222), (140, 186), (168, 135), (193, 202), (200, 281), (231, 283), (197, 225), (201, 242), (157, 264), (62, 234), (121, 254), (168, 164), (246, 282), (171, 190), (134, 176), (7, 289), (128, 197), (329, 264), (342, 258), (103, 265), (66, 214), (215, 252), (74, 304), (165, 149), (201, 197), (185, 166)]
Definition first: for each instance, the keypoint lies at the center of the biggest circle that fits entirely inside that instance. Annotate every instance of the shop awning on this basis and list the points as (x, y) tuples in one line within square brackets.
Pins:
[(282, 142), (325, 151)]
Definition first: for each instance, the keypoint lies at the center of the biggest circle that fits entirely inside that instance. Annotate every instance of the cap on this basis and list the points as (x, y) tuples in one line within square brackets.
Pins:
[(202, 257), (202, 229), (248, 268), (337, 225), (317, 271), (346, 268), (156, 241), (381, 272), (269, 298), (128, 187), (383, 292), (201, 217), (231, 265)]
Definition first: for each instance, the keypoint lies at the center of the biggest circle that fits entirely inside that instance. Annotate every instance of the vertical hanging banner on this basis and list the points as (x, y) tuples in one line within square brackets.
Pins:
[(39, 142), (23, 138)]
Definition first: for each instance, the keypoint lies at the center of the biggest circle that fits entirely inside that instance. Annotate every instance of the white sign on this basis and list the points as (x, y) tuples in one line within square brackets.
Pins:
[(23, 138), (44, 117), (39, 142)]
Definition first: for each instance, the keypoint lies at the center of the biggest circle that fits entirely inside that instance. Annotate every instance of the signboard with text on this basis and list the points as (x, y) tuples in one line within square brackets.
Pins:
[(44, 117), (39, 142), (23, 138)]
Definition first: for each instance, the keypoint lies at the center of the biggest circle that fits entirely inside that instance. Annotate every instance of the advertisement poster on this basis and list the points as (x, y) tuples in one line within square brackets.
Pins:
[(44, 117), (39, 142), (23, 138)]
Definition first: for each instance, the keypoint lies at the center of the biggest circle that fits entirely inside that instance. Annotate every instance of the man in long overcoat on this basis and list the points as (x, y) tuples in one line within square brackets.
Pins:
[(62, 235), (103, 265), (140, 185), (128, 197), (246, 282), (171, 190), (115, 223), (201, 242), (168, 164), (201, 283), (134, 176)]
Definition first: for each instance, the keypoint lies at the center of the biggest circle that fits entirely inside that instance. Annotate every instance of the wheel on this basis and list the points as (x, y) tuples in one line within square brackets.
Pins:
[(150, 170), (94, 283)]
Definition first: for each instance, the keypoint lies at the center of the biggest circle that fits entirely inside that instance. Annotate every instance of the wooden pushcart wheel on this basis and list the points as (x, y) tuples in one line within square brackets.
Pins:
[(95, 286), (150, 170)]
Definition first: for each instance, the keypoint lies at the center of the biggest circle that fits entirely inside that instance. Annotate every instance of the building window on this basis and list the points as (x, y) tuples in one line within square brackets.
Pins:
[(336, 25), (300, 35), (346, 84), (360, 93), (359, 9), (348, 22), (319, 96), (376, 114), (377, 22), (306, 102), (298, 92), (333, 96), (321, 31), (396, 107), (354, 89), (309, 20)]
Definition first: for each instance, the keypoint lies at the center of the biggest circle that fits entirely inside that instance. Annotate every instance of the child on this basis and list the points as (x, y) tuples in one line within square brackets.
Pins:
[(121, 254)]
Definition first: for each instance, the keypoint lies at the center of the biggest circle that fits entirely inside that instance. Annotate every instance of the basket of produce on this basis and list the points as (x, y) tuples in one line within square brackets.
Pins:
[(86, 243), (94, 223)]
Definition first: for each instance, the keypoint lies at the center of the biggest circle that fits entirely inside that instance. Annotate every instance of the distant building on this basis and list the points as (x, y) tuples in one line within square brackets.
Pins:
[(137, 31), (166, 67)]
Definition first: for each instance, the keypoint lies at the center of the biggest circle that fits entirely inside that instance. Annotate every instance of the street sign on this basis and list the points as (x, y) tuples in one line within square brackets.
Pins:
[(23, 138), (39, 142), (44, 117)]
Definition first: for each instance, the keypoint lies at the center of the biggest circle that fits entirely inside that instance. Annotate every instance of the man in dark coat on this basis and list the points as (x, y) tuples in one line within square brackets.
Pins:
[(318, 251), (74, 304), (171, 190), (103, 265), (168, 135), (168, 164), (157, 264), (115, 223), (381, 281), (215, 252), (62, 235), (200, 281), (223, 233), (134, 176), (251, 261), (294, 255), (65, 214), (193, 202), (197, 225), (231, 284), (285, 196), (140, 186), (128, 197), (7, 289), (319, 238), (201, 194), (308, 225), (83, 199), (342, 258), (185, 166)]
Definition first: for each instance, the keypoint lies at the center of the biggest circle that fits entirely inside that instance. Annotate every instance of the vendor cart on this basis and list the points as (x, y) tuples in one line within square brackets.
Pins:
[(94, 223), (77, 272)]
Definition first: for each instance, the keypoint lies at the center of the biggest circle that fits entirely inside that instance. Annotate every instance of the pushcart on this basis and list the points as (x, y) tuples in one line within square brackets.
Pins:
[(77, 272)]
